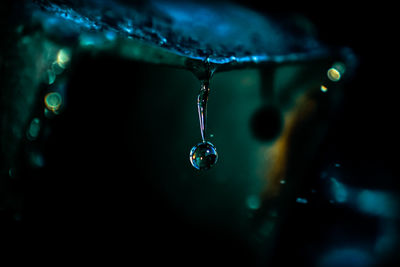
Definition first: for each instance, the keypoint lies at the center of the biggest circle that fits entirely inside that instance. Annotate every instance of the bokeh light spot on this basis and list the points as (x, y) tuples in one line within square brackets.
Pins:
[(333, 75), (324, 89), (53, 101), (63, 58)]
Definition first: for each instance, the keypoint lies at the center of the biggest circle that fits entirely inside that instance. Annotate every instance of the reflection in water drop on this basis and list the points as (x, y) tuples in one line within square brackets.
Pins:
[(34, 129), (53, 101), (324, 89), (63, 58), (333, 75), (253, 202), (301, 200), (56, 68), (51, 76), (203, 156), (339, 66), (36, 159), (339, 191)]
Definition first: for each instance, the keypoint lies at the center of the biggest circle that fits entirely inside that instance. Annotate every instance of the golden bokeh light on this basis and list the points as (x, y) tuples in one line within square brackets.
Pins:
[(334, 74), (63, 58), (324, 89), (53, 101)]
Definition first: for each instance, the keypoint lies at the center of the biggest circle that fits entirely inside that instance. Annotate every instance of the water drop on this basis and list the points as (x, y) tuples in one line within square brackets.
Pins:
[(203, 156)]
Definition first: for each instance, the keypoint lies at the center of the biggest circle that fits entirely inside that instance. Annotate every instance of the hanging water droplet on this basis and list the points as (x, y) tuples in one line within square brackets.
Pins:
[(203, 156)]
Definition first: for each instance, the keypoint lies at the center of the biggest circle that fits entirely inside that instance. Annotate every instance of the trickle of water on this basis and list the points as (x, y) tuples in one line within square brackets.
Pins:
[(203, 155), (202, 99)]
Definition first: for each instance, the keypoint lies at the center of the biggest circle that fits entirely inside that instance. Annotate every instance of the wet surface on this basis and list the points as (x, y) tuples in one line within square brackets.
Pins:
[(219, 33)]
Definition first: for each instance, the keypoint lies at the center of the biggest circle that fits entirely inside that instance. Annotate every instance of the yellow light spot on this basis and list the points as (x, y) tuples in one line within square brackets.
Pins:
[(63, 58), (333, 74), (324, 89), (53, 101)]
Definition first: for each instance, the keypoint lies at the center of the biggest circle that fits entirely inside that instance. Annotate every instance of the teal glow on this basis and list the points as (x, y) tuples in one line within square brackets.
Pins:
[(301, 200), (53, 101), (377, 203), (253, 202), (349, 257), (34, 129), (63, 58), (339, 191), (51, 76)]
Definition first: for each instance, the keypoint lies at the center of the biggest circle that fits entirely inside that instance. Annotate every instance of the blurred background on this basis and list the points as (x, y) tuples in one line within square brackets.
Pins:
[(95, 160)]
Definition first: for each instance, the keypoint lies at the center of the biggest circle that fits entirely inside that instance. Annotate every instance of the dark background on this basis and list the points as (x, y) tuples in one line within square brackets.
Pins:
[(364, 137)]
